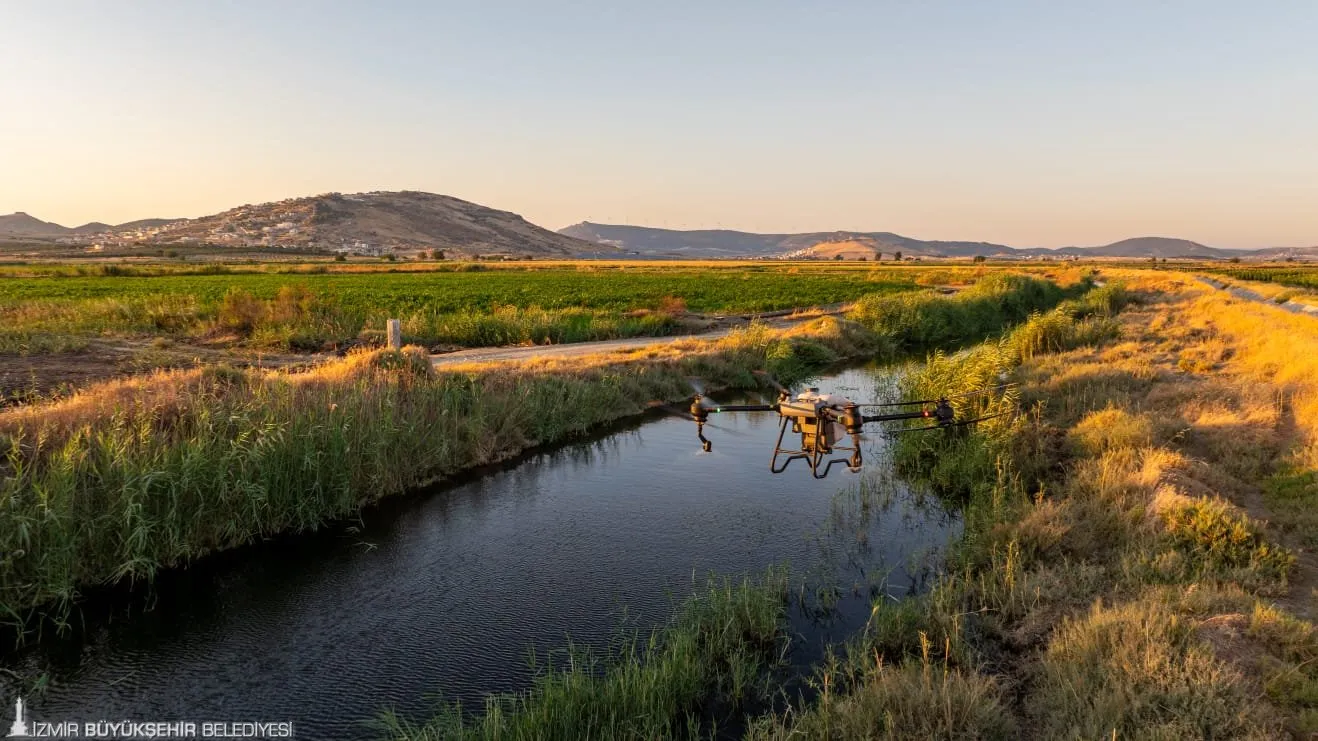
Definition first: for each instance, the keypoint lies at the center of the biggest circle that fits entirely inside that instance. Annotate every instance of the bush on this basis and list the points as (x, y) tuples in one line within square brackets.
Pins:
[(1216, 538), (672, 305), (292, 304), (240, 311), (796, 360)]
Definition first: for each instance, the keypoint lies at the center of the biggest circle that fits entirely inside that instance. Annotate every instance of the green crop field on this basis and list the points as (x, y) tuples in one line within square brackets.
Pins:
[(1288, 276), (402, 293), (59, 309)]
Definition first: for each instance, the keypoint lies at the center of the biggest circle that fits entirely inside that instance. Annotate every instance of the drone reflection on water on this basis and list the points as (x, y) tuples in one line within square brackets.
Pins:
[(446, 591)]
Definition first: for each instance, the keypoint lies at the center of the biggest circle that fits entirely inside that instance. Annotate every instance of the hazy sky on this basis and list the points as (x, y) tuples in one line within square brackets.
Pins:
[(1031, 123)]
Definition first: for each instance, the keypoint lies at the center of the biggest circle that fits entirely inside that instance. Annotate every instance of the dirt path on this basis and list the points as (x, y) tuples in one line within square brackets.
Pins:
[(1246, 294), (778, 320)]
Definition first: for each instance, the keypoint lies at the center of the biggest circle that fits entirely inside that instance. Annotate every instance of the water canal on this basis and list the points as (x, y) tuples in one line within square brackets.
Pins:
[(446, 591)]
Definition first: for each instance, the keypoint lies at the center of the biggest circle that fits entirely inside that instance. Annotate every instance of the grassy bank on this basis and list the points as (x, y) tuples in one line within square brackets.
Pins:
[(1128, 570), (132, 476)]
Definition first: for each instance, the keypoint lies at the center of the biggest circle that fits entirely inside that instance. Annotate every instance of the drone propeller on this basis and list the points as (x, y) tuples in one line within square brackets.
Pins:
[(686, 415), (699, 397), (922, 402), (696, 385)]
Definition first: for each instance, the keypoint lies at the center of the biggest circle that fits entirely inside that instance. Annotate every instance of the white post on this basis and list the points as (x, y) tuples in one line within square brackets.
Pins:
[(395, 334)]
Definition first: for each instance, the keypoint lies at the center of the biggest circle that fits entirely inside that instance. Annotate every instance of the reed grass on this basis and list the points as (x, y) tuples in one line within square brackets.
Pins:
[(927, 320), (707, 663)]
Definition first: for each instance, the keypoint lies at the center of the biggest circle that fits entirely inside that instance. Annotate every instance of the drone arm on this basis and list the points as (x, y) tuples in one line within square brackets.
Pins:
[(942, 414), (744, 408), (866, 419)]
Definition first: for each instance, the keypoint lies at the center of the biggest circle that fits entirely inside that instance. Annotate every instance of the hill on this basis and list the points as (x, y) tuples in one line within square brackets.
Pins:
[(1287, 253), (20, 224), (668, 243), (369, 223), (1153, 247), (650, 242)]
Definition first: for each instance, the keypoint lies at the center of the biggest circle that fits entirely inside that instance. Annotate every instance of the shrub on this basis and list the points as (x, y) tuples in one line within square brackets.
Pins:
[(796, 359), (1217, 538), (240, 311), (672, 305), (292, 304)]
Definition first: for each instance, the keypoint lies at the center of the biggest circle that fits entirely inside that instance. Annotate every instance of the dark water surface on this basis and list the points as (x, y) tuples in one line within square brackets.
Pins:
[(445, 591)]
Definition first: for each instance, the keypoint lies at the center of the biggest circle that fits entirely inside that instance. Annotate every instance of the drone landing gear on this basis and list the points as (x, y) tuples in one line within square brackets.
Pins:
[(814, 448)]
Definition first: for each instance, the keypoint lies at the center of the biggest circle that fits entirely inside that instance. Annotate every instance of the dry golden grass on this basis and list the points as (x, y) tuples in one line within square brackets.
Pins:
[(1177, 431), (1129, 576)]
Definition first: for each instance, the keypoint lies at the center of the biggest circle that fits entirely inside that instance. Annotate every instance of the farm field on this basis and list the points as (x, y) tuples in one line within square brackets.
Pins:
[(401, 293), (62, 325), (1287, 275)]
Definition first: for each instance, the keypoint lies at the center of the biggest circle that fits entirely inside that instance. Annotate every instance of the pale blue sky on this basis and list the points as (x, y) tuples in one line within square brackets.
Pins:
[(1029, 123)]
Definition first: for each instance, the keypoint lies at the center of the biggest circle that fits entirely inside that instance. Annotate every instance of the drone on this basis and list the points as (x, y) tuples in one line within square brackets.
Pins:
[(825, 421)]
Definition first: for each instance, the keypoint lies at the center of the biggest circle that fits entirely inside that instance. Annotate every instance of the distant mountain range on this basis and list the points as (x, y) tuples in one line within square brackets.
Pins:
[(366, 223), (712, 243), (408, 221)]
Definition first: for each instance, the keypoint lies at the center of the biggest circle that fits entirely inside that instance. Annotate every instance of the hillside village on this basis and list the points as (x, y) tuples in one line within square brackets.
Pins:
[(289, 223), (376, 223)]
